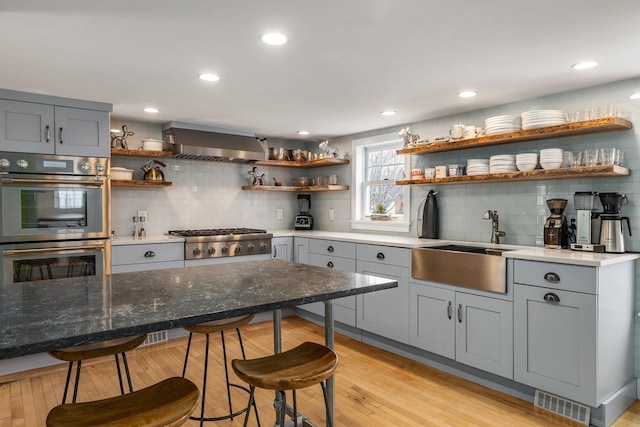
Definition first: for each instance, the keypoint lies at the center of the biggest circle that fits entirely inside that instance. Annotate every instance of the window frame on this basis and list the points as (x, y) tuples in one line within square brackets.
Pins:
[(358, 148)]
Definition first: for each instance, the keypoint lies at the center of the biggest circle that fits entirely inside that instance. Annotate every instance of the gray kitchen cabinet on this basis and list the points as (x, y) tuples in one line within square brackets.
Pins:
[(341, 256), (385, 313), (146, 256), (301, 250), (574, 329), (472, 329), (31, 123), (282, 248)]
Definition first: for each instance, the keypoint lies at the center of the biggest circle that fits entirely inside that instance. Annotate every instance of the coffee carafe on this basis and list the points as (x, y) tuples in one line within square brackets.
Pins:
[(556, 234), (611, 235), (585, 203), (304, 220)]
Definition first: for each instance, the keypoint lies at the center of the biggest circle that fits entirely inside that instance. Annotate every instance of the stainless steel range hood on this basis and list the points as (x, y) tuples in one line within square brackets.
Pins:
[(199, 142)]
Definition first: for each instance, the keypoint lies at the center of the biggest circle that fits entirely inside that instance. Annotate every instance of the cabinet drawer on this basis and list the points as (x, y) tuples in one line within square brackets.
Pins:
[(332, 247), (575, 278), (340, 264), (147, 253), (384, 255)]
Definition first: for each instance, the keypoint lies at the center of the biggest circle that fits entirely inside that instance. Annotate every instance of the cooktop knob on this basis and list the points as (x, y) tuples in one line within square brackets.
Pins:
[(263, 246), (22, 164), (100, 167), (224, 249), (211, 250), (196, 251), (250, 247), (238, 249), (85, 167), (4, 163)]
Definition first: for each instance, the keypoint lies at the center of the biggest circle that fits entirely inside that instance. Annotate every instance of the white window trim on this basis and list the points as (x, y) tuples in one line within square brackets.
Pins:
[(357, 150)]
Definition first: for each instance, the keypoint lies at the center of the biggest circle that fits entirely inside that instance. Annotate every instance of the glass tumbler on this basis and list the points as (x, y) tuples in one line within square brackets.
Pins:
[(591, 157), (619, 157), (607, 156), (576, 160)]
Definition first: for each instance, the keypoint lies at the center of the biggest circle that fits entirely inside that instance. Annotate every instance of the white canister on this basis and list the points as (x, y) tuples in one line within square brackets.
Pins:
[(441, 171), (430, 173), (416, 174)]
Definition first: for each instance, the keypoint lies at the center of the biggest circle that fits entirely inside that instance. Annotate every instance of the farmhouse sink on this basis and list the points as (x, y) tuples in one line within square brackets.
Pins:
[(473, 267)]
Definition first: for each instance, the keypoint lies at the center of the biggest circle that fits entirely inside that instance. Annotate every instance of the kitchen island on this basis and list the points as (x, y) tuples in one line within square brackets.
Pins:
[(46, 315)]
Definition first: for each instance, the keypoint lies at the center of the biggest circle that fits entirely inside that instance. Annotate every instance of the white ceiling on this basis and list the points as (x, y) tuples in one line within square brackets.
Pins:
[(346, 60)]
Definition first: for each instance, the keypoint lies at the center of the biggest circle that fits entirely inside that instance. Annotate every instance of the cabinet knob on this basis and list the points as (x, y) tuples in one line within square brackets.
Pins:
[(149, 254), (551, 277), (330, 264), (551, 297), (380, 255), (330, 249)]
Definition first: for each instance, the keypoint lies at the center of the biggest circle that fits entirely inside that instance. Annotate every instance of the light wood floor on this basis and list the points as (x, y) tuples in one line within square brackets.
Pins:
[(373, 387)]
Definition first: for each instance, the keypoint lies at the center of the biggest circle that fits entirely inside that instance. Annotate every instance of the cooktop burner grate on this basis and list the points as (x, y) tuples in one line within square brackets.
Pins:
[(216, 232)]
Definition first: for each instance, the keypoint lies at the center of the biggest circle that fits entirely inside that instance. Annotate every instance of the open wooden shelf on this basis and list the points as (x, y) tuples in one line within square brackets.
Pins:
[(315, 188), (561, 173), (139, 183), (305, 165), (568, 129), (139, 153)]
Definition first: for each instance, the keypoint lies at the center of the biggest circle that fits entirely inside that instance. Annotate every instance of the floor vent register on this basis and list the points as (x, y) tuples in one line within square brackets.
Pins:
[(155, 337), (561, 406)]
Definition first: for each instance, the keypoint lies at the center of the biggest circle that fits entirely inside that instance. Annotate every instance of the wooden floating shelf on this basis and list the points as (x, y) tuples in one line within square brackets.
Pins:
[(139, 183), (305, 165), (561, 173), (139, 153), (568, 129), (315, 188)]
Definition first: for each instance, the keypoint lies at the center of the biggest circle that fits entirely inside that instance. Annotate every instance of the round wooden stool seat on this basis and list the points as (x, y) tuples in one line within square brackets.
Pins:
[(167, 403), (219, 325), (99, 349), (303, 366)]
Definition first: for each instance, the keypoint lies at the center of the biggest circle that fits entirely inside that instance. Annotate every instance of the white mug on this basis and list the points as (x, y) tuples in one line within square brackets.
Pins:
[(457, 131), (471, 132)]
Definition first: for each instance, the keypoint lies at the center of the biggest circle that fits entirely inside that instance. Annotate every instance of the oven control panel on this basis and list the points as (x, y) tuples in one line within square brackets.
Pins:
[(47, 164)]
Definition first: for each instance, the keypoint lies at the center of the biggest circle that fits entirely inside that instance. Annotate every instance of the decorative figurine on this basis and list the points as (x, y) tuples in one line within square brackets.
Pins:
[(122, 139), (257, 179), (331, 152), (408, 138)]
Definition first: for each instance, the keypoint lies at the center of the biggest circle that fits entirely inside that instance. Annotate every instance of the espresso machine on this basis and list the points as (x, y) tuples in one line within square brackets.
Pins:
[(556, 231), (611, 235), (304, 220), (586, 211)]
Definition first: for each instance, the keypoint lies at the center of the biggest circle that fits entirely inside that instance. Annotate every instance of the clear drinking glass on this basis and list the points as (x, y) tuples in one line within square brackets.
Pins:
[(619, 157), (591, 157), (607, 156), (576, 160)]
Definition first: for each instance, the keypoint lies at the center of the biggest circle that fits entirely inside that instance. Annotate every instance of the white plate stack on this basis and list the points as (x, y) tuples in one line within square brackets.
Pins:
[(541, 118), (502, 163), (526, 161), (502, 124), (477, 167), (551, 158)]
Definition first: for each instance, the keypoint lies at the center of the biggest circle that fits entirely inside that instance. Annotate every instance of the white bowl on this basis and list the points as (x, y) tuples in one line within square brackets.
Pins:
[(526, 166), (121, 174), (152, 144), (550, 165)]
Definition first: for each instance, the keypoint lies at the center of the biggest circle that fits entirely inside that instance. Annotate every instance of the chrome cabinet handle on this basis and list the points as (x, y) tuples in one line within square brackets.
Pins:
[(460, 313), (61, 136), (330, 249), (380, 255), (551, 297), (149, 254), (330, 264), (551, 277), (48, 133), (449, 310)]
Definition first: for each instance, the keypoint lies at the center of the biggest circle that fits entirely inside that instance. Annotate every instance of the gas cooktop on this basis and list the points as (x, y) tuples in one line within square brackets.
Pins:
[(215, 232), (224, 242)]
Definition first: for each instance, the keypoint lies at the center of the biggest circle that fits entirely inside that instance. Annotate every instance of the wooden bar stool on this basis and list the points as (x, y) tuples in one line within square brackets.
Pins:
[(90, 351), (301, 367), (167, 403), (213, 327)]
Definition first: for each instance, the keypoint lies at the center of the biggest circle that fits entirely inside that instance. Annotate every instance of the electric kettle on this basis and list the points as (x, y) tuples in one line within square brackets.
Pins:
[(427, 218)]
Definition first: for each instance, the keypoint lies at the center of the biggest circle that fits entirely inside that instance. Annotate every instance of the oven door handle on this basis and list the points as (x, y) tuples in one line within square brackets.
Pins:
[(92, 183), (19, 252)]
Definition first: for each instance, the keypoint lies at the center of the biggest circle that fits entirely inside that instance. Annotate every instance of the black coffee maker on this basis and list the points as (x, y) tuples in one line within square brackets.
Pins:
[(304, 220), (556, 232)]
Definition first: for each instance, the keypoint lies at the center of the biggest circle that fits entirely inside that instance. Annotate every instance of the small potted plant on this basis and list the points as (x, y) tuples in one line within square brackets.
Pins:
[(380, 213)]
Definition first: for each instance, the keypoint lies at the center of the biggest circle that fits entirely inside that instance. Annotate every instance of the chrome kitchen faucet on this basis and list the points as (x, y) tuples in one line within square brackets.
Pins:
[(496, 234)]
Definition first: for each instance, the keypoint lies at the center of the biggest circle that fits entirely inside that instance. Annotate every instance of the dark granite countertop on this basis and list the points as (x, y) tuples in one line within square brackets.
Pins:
[(45, 315)]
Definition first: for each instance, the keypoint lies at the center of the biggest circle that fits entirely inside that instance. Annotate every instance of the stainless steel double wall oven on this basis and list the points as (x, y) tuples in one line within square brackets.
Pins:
[(54, 216)]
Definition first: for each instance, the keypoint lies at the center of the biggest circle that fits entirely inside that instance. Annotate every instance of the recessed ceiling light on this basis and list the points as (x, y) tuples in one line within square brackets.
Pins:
[(467, 94), (208, 77), (274, 39), (303, 132), (635, 96), (584, 65), (151, 110), (388, 113)]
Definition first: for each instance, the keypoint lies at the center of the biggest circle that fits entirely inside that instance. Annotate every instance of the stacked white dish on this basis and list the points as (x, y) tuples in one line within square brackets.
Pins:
[(502, 124), (541, 118), (477, 167), (502, 163), (551, 158), (526, 161)]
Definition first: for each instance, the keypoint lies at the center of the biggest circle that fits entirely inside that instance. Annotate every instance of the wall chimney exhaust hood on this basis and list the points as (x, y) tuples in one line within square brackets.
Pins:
[(199, 142)]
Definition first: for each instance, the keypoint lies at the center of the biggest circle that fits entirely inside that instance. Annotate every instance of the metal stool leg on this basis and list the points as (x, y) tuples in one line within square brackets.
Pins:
[(186, 356), (226, 372), (126, 371), (66, 384), (295, 409), (75, 387), (326, 404), (119, 373)]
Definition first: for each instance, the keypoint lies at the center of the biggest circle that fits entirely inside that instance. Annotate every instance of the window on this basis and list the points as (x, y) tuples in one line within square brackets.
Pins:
[(378, 203)]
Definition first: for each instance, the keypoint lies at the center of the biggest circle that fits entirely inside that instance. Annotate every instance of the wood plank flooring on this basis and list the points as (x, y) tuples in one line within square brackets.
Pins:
[(373, 387)]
